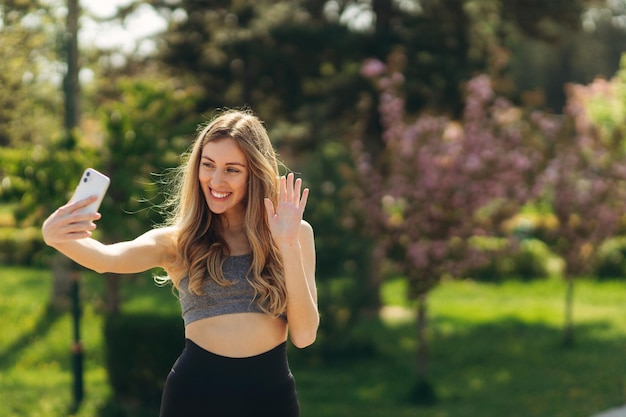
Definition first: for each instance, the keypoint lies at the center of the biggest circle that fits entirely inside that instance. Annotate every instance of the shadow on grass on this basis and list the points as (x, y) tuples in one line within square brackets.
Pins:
[(114, 408), (45, 321), (506, 368)]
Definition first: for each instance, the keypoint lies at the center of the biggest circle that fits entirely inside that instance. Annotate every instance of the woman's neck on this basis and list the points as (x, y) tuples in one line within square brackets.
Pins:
[(235, 237)]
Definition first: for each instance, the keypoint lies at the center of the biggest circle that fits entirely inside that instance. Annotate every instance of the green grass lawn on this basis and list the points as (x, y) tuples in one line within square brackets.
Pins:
[(35, 358), (494, 352)]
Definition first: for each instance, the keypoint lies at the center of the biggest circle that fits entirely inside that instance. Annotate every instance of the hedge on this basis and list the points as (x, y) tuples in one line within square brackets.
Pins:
[(140, 351)]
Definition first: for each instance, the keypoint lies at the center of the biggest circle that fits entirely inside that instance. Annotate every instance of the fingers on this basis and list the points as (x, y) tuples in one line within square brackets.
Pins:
[(75, 231), (305, 198), (78, 217), (69, 223), (297, 191), (70, 216), (291, 189), (73, 206), (77, 225), (285, 218), (283, 189)]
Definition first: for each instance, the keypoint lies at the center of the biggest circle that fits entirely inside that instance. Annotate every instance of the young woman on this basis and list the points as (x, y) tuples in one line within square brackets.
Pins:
[(243, 262)]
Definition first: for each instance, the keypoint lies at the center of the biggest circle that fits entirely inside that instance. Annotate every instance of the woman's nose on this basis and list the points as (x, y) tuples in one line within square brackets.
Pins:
[(217, 178)]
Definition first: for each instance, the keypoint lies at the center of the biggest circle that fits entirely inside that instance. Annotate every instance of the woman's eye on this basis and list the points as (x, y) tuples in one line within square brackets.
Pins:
[(232, 170)]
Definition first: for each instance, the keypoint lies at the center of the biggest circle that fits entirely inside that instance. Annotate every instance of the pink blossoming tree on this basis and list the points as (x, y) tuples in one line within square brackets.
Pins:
[(437, 184), (586, 180)]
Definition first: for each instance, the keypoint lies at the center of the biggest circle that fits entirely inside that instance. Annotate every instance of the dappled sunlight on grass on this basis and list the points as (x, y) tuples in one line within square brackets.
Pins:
[(35, 356)]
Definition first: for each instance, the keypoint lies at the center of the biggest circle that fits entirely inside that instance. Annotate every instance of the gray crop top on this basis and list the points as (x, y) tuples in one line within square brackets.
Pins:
[(217, 300)]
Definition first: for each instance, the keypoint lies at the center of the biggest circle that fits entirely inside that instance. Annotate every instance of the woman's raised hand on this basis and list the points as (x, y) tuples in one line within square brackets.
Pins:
[(68, 223), (286, 217)]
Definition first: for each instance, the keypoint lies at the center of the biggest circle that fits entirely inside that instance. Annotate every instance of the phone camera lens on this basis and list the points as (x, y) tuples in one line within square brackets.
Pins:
[(84, 179), (89, 173)]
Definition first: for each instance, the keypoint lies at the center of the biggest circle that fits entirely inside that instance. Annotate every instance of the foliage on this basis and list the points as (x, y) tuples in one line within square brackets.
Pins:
[(41, 178), (611, 259), (20, 246), (39, 164), (586, 180), (540, 68), (29, 102), (293, 60), (528, 259), (342, 264), (604, 108), (147, 123), (440, 183)]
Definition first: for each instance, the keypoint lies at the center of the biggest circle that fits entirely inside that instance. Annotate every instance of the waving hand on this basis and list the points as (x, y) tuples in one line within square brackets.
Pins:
[(285, 218)]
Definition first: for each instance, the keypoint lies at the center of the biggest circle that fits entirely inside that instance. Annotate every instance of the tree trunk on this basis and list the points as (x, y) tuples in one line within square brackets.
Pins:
[(61, 270), (61, 266), (568, 327), (424, 392), (370, 303), (384, 12), (422, 356), (112, 298), (71, 85)]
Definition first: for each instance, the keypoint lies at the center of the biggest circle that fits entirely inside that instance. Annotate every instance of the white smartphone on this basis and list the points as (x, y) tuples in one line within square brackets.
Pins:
[(91, 183)]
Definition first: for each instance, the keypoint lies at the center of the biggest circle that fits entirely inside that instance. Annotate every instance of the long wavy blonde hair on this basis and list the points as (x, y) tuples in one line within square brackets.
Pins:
[(201, 250)]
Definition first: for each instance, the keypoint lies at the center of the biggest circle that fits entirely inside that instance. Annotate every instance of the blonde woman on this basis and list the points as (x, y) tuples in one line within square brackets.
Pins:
[(243, 262)]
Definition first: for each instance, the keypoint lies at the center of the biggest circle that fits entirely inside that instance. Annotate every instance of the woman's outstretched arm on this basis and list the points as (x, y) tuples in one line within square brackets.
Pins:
[(69, 231)]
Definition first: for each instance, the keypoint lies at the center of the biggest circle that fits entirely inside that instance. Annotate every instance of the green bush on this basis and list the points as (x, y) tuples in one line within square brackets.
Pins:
[(340, 305), (21, 246), (529, 260), (611, 261), (140, 351)]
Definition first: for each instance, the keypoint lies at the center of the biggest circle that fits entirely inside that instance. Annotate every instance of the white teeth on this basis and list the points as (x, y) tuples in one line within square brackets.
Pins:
[(219, 195)]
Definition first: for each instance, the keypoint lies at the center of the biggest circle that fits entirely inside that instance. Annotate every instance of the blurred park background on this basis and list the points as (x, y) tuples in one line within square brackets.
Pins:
[(467, 161)]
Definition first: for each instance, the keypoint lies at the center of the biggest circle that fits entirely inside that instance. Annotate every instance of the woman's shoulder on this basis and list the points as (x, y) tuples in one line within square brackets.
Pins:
[(167, 235), (164, 240)]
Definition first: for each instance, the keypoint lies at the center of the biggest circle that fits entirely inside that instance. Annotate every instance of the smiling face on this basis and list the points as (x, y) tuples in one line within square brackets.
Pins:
[(223, 176)]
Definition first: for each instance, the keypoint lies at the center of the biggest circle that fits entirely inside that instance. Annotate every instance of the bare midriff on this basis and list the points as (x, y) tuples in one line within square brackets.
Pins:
[(238, 335)]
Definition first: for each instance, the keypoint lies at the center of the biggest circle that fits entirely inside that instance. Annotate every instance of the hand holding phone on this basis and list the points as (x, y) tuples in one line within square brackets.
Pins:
[(91, 183)]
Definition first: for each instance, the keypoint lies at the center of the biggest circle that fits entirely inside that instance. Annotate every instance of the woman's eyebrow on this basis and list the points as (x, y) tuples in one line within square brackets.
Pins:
[(227, 163)]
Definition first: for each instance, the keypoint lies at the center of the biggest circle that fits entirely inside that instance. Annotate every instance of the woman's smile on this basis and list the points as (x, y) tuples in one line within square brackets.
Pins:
[(219, 196)]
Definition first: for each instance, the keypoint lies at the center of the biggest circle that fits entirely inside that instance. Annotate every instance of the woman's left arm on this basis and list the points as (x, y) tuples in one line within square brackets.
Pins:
[(294, 238), (299, 264)]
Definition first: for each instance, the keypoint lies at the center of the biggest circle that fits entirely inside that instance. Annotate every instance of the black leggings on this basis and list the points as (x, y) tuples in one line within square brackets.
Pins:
[(203, 384)]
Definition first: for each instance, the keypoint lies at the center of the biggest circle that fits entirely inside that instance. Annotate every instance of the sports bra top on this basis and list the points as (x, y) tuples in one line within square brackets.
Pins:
[(217, 300)]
